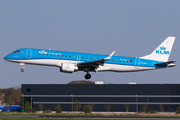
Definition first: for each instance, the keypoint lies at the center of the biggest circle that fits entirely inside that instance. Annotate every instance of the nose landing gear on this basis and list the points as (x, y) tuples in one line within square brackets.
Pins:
[(22, 65), (87, 76), (22, 70)]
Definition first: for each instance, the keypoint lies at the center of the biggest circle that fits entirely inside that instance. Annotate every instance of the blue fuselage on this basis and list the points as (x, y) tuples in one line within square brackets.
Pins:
[(28, 54)]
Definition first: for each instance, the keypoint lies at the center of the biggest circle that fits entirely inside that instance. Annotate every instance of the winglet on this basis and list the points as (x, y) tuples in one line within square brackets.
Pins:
[(109, 57)]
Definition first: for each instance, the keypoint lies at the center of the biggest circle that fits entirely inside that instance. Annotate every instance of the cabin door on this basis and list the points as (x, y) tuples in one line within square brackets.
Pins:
[(28, 53), (137, 61)]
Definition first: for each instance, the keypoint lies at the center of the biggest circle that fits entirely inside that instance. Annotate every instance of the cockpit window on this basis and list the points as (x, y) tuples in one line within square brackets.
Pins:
[(17, 51)]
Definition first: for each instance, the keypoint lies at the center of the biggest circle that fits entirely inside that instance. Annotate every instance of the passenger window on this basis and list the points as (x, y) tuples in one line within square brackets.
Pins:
[(112, 60), (73, 56), (66, 55), (39, 53), (91, 58), (98, 58), (82, 57), (86, 57), (94, 58), (58, 55), (116, 60), (69, 56), (127, 61), (54, 55), (51, 55), (43, 54), (131, 61), (62, 55), (123, 61), (47, 54), (119, 60)]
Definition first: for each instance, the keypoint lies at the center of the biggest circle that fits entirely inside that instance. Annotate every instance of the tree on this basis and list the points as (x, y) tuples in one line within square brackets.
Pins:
[(108, 107), (33, 110), (126, 106), (41, 107), (58, 109), (178, 110), (28, 107), (12, 95), (161, 107), (145, 107), (77, 105), (1, 97), (92, 106), (87, 109)]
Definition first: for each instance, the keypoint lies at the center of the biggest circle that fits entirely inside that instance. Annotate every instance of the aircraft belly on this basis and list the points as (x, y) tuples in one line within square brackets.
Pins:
[(125, 68), (105, 67)]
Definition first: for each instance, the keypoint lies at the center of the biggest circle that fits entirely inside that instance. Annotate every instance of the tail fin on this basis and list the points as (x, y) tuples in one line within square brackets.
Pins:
[(162, 52)]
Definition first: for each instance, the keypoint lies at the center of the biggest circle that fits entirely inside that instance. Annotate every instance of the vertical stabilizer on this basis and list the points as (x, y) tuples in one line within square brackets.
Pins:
[(162, 52)]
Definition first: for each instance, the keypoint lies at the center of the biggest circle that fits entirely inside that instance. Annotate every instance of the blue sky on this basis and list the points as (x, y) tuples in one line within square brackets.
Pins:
[(130, 27)]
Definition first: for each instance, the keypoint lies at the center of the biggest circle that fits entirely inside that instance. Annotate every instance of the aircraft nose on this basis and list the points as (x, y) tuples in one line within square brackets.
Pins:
[(7, 57)]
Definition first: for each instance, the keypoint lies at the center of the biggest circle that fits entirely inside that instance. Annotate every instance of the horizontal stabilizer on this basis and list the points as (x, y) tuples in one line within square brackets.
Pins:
[(165, 63)]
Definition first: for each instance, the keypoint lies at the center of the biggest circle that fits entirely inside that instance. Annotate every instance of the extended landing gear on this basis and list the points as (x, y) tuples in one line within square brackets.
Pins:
[(22, 65), (87, 76), (22, 70)]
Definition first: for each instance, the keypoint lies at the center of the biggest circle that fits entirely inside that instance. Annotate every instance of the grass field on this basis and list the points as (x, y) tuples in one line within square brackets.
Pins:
[(70, 119), (93, 114)]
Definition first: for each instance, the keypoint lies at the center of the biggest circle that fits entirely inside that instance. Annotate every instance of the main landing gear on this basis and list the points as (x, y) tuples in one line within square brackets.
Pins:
[(87, 76), (22, 65)]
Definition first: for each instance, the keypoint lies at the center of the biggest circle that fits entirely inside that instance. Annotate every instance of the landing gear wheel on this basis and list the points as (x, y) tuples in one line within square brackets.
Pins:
[(87, 76), (22, 65), (22, 70)]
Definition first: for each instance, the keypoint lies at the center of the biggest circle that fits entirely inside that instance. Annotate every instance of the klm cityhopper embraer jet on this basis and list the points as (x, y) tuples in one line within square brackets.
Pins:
[(70, 62)]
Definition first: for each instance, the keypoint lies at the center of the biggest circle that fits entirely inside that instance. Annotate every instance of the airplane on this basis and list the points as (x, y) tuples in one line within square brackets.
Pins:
[(70, 62)]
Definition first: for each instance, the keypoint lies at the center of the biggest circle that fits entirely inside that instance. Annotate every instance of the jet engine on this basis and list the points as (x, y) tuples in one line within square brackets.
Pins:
[(68, 68)]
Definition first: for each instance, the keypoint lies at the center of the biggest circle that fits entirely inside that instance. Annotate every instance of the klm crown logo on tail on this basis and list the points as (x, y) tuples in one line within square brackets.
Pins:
[(162, 51)]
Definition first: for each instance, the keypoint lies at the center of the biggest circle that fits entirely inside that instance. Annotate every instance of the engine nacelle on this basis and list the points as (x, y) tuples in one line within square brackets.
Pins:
[(68, 68)]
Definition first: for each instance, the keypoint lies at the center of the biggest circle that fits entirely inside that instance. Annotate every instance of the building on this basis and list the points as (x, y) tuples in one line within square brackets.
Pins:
[(118, 96)]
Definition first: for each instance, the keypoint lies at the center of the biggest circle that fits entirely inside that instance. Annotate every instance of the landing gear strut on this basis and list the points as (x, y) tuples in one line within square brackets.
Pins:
[(87, 76), (22, 65)]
